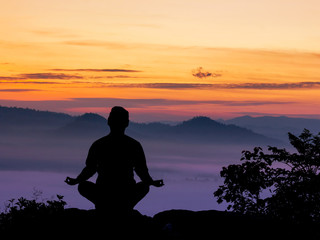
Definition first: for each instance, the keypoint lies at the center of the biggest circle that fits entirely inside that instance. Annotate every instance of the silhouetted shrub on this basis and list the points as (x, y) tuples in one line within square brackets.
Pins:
[(23, 212), (279, 183)]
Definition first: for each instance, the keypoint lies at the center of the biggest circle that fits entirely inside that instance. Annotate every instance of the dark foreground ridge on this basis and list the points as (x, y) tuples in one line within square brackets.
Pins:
[(172, 224)]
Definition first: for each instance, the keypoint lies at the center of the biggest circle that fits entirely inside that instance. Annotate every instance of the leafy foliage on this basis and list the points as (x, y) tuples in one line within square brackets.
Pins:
[(279, 183), (22, 211)]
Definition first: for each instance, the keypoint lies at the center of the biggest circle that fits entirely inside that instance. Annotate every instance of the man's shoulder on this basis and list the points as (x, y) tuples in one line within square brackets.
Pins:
[(132, 140), (100, 141), (108, 138)]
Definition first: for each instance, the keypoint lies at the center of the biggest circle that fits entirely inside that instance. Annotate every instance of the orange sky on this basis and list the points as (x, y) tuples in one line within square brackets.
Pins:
[(163, 60)]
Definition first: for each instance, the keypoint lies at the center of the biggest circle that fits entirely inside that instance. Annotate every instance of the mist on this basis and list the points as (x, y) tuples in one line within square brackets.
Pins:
[(190, 171)]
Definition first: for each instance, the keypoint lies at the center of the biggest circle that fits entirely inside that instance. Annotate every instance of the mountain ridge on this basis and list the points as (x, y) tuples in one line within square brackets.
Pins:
[(17, 118), (277, 127), (200, 128)]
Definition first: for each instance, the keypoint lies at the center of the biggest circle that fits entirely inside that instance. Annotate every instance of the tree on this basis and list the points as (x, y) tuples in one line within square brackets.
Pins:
[(278, 183)]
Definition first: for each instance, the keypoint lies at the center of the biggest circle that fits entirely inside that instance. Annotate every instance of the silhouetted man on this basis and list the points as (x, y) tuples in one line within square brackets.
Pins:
[(115, 157)]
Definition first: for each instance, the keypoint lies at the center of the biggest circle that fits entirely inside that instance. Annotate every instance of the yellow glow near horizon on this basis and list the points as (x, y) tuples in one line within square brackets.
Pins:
[(262, 56)]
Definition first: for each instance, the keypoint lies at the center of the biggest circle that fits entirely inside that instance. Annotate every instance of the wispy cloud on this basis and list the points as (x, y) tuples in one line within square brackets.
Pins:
[(26, 76), (18, 78), (10, 78), (31, 82), (161, 85), (49, 76), (119, 76), (21, 78), (270, 86), (19, 90), (253, 86), (96, 70)]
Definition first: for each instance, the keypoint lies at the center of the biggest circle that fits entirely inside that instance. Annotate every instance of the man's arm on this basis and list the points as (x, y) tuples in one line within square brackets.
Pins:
[(88, 171), (142, 170)]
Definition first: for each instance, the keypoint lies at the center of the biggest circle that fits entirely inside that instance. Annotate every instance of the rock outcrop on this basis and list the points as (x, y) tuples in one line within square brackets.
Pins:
[(172, 224)]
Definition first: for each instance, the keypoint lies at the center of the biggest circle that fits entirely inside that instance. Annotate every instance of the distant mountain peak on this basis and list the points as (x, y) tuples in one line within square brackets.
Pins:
[(91, 117), (88, 124), (201, 121), (201, 118)]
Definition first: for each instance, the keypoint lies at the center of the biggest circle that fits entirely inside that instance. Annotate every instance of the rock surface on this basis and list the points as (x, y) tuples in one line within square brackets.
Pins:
[(172, 224)]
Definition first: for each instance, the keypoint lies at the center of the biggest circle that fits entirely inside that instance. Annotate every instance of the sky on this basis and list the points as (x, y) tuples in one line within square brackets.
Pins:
[(162, 60)]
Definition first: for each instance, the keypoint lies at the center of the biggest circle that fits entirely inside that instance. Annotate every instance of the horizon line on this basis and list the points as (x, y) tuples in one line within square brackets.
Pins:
[(187, 118)]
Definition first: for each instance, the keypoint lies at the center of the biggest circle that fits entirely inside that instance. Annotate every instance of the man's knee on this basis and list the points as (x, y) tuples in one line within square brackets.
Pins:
[(143, 187), (146, 188), (88, 190)]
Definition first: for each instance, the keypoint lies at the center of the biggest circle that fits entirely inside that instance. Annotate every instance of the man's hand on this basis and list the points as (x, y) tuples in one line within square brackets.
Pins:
[(157, 183), (71, 181)]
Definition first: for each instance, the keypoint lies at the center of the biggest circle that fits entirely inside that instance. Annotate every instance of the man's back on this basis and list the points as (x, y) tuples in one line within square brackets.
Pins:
[(115, 157)]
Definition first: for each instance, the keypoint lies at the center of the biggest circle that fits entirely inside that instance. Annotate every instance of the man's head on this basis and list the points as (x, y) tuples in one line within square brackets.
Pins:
[(118, 118)]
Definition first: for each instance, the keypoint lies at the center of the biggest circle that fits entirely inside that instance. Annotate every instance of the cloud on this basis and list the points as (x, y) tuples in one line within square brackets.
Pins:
[(270, 86), (19, 90), (11, 78), (96, 70), (119, 76), (199, 73), (27, 76), (253, 86), (61, 76), (162, 85), (30, 82)]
